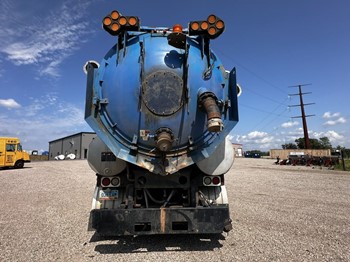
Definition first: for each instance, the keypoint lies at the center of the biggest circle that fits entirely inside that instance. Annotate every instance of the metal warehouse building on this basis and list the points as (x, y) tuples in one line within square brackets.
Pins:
[(77, 144)]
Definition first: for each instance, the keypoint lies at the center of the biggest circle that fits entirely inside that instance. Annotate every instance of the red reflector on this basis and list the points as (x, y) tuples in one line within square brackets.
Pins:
[(216, 180), (105, 181)]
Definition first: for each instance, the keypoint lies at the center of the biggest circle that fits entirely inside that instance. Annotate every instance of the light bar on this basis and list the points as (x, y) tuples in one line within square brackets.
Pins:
[(115, 22), (212, 27)]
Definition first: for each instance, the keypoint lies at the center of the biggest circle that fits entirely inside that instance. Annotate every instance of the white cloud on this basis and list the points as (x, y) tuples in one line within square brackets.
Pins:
[(45, 41), (256, 134), (290, 135), (330, 123), (330, 115), (265, 141), (297, 132), (257, 140), (340, 120), (333, 119), (290, 124), (334, 137), (37, 127), (9, 103), (231, 138)]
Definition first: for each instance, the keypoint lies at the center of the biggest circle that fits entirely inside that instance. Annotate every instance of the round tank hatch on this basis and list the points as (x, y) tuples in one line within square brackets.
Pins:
[(162, 92)]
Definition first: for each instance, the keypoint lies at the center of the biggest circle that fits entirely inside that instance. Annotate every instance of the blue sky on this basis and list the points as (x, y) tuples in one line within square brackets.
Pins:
[(273, 44)]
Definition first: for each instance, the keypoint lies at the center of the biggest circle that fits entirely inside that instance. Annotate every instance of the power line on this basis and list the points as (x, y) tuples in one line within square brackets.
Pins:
[(251, 72), (261, 110), (269, 123), (272, 113), (279, 104), (266, 97)]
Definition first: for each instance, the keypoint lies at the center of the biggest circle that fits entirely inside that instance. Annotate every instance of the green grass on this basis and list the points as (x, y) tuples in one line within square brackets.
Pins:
[(340, 165)]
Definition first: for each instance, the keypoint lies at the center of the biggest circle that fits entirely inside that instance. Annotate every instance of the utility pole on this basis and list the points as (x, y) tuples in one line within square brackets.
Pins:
[(303, 116)]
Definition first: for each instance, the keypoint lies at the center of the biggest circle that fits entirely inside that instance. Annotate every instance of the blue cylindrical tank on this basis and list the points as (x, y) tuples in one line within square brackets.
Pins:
[(161, 99)]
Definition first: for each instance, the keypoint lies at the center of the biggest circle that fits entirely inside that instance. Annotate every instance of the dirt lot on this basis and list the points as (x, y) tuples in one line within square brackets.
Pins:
[(279, 214)]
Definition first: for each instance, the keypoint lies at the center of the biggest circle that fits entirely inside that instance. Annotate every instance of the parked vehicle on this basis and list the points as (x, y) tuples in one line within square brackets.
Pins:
[(11, 153)]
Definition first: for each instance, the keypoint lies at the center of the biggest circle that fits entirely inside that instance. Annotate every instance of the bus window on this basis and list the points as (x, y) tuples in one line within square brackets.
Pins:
[(10, 147)]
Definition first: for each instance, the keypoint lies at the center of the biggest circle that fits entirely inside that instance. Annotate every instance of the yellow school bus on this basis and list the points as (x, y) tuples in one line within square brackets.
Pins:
[(11, 153)]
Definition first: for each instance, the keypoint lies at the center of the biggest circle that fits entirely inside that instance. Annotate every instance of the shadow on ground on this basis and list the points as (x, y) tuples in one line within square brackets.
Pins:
[(157, 243)]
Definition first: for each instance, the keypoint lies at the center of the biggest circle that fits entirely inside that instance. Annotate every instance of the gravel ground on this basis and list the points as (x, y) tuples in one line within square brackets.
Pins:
[(280, 213)]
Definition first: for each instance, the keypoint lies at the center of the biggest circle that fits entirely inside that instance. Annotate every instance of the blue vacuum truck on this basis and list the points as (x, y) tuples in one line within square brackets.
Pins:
[(162, 105)]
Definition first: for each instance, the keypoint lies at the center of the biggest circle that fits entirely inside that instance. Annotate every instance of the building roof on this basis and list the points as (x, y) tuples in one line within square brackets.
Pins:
[(77, 134)]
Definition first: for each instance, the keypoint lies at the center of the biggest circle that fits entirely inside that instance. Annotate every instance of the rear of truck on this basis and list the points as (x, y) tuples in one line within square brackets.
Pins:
[(162, 106)]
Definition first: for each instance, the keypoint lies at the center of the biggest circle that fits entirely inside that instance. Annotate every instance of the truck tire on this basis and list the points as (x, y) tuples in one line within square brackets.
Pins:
[(19, 164)]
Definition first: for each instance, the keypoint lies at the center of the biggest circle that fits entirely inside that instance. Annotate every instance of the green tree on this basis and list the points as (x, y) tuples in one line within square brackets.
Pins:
[(315, 143), (300, 142), (323, 143), (326, 144), (289, 146), (340, 147)]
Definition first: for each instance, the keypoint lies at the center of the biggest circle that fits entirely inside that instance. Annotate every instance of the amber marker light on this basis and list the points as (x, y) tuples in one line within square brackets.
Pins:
[(220, 24), (177, 28), (204, 25), (212, 31), (132, 20), (115, 27), (107, 21), (195, 26), (211, 19), (115, 15), (122, 20)]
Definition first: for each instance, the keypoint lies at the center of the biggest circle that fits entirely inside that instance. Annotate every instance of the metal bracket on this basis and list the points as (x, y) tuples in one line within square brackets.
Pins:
[(190, 142), (98, 102), (134, 143), (104, 101)]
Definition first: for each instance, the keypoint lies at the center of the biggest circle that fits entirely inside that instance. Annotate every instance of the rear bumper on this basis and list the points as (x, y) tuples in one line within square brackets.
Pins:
[(200, 220)]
